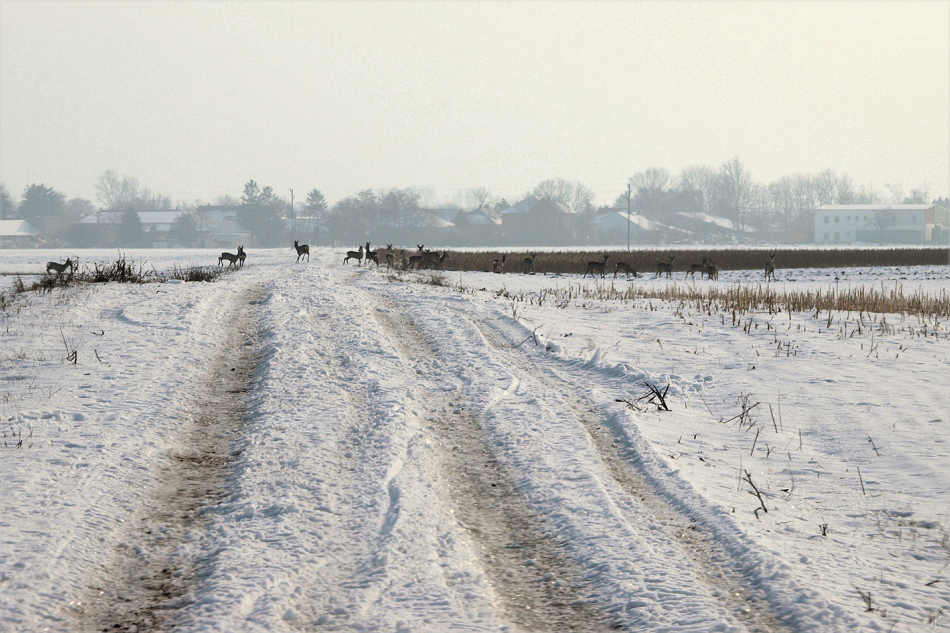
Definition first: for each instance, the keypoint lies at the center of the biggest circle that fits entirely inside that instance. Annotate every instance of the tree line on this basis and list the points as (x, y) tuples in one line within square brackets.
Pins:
[(728, 191)]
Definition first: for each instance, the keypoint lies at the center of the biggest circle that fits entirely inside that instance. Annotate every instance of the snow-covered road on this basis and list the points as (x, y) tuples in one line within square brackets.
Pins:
[(413, 457)]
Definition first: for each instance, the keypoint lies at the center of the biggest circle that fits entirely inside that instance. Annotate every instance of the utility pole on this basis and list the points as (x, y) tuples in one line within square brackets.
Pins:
[(293, 216), (628, 217)]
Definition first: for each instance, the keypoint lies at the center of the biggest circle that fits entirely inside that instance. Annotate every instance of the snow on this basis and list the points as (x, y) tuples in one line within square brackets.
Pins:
[(380, 411)]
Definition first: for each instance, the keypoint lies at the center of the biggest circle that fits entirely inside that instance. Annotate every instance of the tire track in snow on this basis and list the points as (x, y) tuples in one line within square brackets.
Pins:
[(712, 563), (530, 577), (151, 575)]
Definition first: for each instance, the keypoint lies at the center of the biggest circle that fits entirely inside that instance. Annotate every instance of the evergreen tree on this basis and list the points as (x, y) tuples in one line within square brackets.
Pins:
[(40, 201), (131, 230), (184, 230)]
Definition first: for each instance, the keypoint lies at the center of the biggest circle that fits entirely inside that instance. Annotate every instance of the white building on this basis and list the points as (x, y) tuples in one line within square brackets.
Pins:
[(876, 224)]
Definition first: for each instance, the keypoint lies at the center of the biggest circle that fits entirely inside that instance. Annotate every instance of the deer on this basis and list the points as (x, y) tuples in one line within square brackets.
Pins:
[(712, 271), (434, 260), (60, 268), (770, 267), (626, 268), (302, 250), (498, 265), (390, 256), (357, 255), (403, 259), (665, 267), (371, 256), (596, 267), (231, 257), (529, 263), (241, 256), (697, 268), (417, 260)]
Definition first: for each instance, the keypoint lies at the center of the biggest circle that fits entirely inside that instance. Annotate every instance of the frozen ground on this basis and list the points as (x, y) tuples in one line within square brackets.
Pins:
[(323, 447)]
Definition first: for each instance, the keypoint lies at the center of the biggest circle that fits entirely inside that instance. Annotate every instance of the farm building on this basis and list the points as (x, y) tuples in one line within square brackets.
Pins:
[(539, 221), (879, 224), (17, 233)]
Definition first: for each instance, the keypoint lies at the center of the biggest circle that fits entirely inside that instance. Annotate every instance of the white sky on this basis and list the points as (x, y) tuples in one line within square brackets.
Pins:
[(194, 99)]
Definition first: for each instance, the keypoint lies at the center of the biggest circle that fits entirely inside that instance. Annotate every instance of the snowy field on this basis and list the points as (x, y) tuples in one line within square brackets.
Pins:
[(319, 447)]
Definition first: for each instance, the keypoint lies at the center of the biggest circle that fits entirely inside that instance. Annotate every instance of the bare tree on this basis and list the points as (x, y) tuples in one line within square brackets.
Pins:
[(897, 192), (824, 185), (582, 199), (651, 180), (782, 192), (700, 179), (116, 193), (480, 196), (919, 195), (556, 189), (737, 189), (844, 190)]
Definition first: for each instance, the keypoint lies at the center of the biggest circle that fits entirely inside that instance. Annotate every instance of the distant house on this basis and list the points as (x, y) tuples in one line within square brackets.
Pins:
[(703, 226), (615, 226), (539, 222), (18, 233), (879, 224), (481, 226), (217, 227)]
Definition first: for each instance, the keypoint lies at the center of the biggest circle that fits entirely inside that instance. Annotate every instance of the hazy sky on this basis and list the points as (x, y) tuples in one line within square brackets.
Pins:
[(194, 99)]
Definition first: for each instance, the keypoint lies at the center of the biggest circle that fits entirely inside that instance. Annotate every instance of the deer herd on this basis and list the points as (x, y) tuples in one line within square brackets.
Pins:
[(426, 259)]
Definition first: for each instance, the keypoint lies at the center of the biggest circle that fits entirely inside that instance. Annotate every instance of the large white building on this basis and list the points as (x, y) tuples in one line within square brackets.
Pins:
[(876, 224)]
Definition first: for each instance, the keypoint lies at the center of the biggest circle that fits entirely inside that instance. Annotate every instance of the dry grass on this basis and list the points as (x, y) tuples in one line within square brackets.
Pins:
[(645, 261), (742, 299)]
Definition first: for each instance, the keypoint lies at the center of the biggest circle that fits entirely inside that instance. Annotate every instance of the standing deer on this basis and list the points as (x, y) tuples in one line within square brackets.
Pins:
[(712, 271), (302, 250), (665, 267), (596, 267), (403, 259), (696, 268), (498, 265), (60, 268), (417, 260), (241, 256), (529, 263), (357, 255), (231, 258), (626, 268), (770, 267), (390, 256), (371, 256)]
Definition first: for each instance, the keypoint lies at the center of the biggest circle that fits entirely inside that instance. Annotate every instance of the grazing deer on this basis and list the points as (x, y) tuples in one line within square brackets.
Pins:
[(665, 267), (770, 267), (498, 265), (60, 268), (371, 256), (596, 267), (529, 263), (357, 255), (231, 258), (712, 271), (696, 268), (626, 268), (302, 250)]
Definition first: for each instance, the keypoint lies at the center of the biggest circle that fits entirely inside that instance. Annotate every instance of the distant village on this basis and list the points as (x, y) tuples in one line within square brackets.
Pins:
[(556, 213)]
